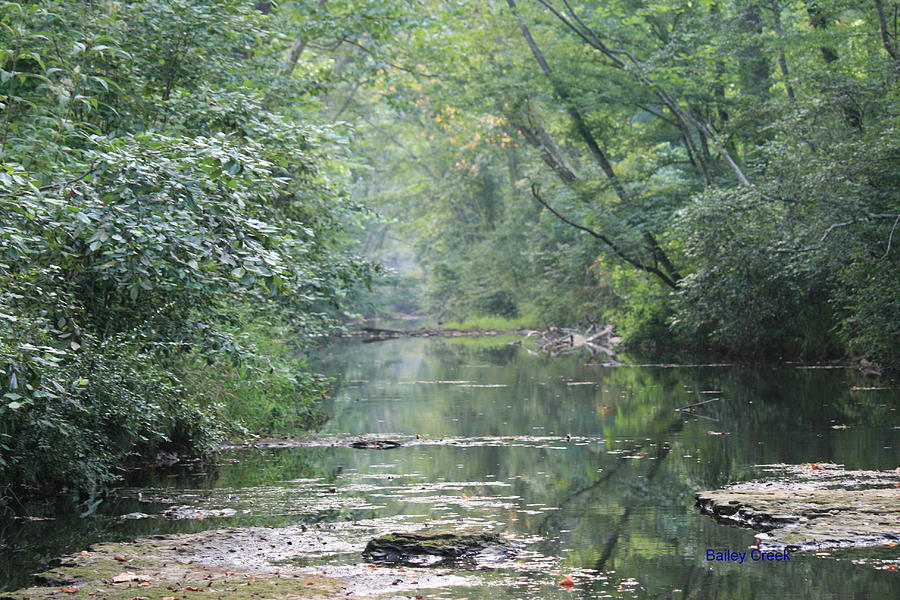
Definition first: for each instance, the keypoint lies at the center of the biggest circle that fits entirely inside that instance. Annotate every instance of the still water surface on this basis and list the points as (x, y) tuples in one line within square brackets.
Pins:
[(588, 466)]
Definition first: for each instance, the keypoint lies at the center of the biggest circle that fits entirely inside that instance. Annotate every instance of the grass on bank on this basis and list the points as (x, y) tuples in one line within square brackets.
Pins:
[(487, 322)]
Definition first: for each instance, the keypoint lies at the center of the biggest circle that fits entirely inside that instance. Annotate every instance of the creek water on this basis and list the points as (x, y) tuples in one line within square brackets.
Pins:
[(589, 467)]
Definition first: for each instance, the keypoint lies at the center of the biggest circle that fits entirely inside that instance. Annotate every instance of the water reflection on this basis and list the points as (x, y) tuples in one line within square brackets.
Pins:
[(599, 475)]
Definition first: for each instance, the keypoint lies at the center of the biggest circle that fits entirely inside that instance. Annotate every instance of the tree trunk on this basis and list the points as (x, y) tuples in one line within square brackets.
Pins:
[(755, 69), (782, 59), (886, 36)]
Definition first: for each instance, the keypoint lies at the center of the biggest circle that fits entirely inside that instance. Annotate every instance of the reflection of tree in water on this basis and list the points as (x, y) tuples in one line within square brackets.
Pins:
[(632, 515), (627, 482)]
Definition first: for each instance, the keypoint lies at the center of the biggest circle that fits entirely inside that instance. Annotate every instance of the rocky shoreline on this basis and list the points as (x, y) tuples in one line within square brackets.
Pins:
[(812, 507)]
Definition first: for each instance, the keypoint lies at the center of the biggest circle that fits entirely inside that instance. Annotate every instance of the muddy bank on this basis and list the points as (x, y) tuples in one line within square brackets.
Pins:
[(171, 567), (812, 507), (232, 564)]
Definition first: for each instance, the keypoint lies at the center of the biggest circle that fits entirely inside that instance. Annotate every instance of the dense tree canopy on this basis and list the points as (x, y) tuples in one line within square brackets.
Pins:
[(183, 183), (707, 174)]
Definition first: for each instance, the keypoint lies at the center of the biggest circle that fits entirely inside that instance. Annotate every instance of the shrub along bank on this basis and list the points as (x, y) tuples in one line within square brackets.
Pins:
[(166, 214)]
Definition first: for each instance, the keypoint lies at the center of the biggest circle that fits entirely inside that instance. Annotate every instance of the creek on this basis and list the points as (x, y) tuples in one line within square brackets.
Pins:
[(588, 467)]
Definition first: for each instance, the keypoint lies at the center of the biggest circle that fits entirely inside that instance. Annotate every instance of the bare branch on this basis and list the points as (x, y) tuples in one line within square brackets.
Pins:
[(836, 226), (616, 250), (890, 238)]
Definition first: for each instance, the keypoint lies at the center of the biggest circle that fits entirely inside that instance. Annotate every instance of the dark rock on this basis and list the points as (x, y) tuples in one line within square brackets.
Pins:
[(435, 546)]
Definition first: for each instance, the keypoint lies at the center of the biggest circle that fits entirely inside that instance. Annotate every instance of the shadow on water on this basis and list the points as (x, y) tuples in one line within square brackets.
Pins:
[(610, 504)]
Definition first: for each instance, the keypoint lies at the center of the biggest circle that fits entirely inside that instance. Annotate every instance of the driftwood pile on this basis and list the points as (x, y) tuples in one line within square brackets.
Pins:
[(555, 341)]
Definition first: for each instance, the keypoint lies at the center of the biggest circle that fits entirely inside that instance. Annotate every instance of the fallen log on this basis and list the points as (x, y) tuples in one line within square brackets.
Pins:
[(375, 334)]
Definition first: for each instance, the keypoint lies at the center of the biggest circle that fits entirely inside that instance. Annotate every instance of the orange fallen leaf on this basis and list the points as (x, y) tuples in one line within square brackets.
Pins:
[(812, 466), (309, 583), (193, 589), (566, 581), (69, 590), (891, 568), (120, 558)]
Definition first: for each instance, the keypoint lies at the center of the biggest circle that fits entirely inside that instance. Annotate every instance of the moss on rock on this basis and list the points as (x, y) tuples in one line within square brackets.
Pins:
[(432, 546)]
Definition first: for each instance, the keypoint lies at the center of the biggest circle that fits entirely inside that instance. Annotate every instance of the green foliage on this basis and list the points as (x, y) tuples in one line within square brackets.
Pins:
[(159, 192), (803, 262), (641, 314), (269, 392)]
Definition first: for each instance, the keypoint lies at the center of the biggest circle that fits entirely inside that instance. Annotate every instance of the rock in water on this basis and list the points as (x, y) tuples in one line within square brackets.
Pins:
[(136, 515), (434, 546)]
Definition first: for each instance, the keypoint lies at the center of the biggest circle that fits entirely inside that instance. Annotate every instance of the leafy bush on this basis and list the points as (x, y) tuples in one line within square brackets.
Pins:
[(154, 203)]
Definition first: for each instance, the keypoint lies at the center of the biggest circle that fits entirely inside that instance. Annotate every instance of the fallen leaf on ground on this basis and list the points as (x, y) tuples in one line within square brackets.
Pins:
[(193, 589), (566, 581), (120, 558), (812, 466), (69, 590)]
